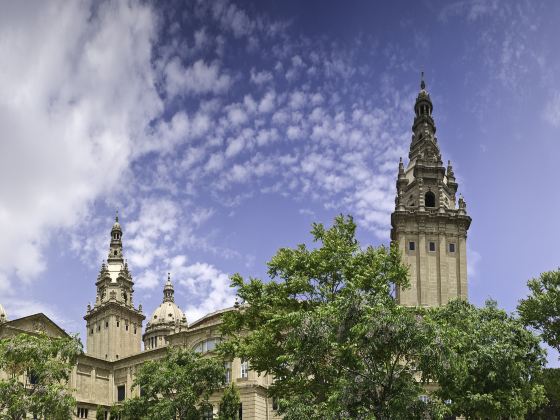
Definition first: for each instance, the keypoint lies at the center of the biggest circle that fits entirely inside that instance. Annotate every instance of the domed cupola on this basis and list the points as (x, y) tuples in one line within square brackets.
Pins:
[(166, 319), (423, 108), (3, 315)]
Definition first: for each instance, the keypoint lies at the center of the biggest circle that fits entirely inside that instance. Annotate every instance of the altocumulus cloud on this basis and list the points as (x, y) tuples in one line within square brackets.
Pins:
[(167, 123)]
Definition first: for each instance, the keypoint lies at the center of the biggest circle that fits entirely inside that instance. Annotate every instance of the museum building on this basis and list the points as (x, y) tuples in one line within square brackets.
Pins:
[(429, 225)]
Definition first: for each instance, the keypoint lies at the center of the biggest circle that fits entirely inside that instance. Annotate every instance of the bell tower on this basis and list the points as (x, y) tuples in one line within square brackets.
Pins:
[(114, 325), (429, 225)]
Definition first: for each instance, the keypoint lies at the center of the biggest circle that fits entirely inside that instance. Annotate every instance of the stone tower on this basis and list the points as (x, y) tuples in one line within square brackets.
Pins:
[(429, 225), (114, 325)]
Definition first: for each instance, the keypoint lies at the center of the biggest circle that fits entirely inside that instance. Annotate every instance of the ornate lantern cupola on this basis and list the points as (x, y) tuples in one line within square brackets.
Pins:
[(168, 291), (115, 248), (423, 109)]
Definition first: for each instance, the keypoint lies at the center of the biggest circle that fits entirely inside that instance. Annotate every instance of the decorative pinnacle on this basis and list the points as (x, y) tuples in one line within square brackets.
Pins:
[(422, 83), (117, 216)]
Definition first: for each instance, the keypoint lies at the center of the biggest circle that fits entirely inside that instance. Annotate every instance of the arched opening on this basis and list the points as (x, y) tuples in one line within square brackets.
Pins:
[(430, 199)]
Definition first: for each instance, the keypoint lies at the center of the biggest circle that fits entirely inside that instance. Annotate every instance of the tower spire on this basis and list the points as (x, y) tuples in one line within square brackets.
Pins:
[(424, 142), (168, 290), (115, 247)]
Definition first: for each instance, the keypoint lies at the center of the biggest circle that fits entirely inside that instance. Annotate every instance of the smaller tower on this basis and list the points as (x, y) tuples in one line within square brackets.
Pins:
[(114, 325), (166, 319)]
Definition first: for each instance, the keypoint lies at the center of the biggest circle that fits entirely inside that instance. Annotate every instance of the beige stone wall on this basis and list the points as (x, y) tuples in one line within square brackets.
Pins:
[(113, 334), (435, 276)]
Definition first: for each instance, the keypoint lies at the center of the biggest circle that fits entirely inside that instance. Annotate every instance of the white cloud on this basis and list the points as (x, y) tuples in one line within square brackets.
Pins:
[(207, 288), (267, 102), (473, 262), (152, 234), (551, 111), (76, 88), (260, 77), (232, 18), (198, 78)]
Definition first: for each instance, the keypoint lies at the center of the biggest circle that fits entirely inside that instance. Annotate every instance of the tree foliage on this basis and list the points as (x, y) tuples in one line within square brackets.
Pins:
[(229, 404), (491, 364), (37, 369), (330, 332), (174, 387), (100, 412), (541, 309), (550, 379)]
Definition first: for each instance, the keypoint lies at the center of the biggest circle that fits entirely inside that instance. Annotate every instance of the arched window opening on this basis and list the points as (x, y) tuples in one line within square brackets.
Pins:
[(207, 345), (430, 199)]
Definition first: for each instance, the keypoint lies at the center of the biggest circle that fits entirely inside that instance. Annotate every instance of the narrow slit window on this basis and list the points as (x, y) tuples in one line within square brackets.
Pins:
[(451, 247), (411, 246), (432, 246)]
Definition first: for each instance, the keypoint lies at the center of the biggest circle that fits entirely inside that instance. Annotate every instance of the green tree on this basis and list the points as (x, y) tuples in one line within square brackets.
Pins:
[(175, 386), (491, 364), (551, 382), (328, 329), (100, 413), (541, 309), (229, 404), (37, 369)]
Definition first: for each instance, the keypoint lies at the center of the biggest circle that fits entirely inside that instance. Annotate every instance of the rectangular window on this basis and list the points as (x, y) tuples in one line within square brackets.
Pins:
[(451, 247), (82, 413), (126, 327), (32, 378), (208, 412), (244, 369), (411, 246), (432, 246), (275, 403), (227, 366), (121, 393), (91, 331), (106, 324), (240, 417)]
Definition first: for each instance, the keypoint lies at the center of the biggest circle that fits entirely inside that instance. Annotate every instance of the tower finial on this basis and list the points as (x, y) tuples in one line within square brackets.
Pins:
[(422, 83), (117, 216)]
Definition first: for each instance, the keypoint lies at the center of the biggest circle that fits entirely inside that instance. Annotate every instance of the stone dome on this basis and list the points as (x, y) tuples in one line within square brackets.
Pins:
[(167, 312), (167, 316), (3, 315)]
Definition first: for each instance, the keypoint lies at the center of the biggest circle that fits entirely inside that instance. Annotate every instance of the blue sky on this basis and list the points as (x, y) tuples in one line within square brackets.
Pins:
[(221, 130)]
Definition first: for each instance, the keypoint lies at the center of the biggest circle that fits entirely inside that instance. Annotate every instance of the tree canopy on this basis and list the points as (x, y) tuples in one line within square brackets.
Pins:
[(328, 329), (541, 309), (230, 403), (37, 369), (176, 386), (331, 333), (490, 366)]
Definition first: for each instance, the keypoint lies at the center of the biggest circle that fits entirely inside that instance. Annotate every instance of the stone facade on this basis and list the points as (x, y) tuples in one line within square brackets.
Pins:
[(429, 225)]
